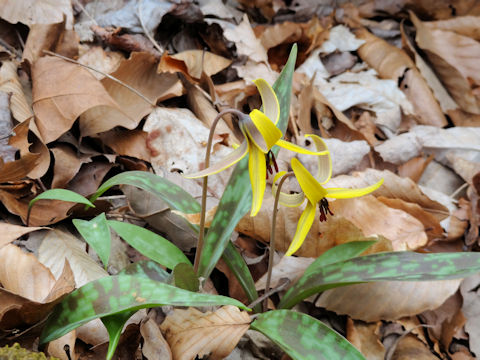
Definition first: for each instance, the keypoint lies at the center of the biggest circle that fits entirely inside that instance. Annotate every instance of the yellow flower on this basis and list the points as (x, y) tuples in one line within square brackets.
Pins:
[(315, 193), (261, 134)]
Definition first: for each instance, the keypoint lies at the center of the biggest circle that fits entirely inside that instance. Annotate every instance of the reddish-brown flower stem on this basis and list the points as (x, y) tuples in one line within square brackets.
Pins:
[(201, 233)]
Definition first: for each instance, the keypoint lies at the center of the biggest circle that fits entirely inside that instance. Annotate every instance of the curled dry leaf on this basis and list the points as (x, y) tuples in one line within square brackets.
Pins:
[(11, 232), (155, 346), (374, 218), (131, 143), (192, 333), (454, 59), (197, 61), (139, 72), (366, 338), (67, 165), (387, 300), (27, 295), (393, 63), (61, 92), (31, 12)]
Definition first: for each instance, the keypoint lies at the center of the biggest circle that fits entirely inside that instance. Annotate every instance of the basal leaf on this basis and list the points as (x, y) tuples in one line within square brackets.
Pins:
[(149, 244), (389, 266), (114, 294), (172, 194), (237, 197), (185, 277), (97, 234), (303, 337)]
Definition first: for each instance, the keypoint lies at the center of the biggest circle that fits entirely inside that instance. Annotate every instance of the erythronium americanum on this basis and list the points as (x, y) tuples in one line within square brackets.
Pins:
[(315, 193), (261, 134)]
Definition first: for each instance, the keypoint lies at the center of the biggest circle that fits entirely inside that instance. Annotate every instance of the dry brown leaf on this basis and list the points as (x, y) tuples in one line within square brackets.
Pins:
[(430, 223), (67, 165), (18, 169), (56, 347), (11, 232), (365, 337), (198, 61), (89, 178), (414, 167), (387, 300), (61, 92), (154, 344), (459, 220), (410, 347), (30, 293), (393, 187), (394, 63), (139, 72), (10, 83), (191, 332), (102, 60), (53, 37), (462, 118), (131, 143), (374, 218), (31, 12), (454, 59)]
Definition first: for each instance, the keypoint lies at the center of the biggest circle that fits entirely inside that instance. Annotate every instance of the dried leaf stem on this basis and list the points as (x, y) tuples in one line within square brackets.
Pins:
[(135, 91), (271, 251), (201, 233)]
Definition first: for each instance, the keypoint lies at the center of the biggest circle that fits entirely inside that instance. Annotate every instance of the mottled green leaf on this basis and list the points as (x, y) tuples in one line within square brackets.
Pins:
[(389, 266), (303, 337), (237, 197), (185, 277), (97, 234), (114, 294), (149, 244), (60, 194), (172, 194), (148, 269)]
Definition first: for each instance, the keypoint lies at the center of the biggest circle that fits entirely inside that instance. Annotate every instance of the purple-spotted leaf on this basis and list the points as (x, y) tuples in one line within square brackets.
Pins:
[(149, 244), (172, 194), (97, 234), (115, 294), (237, 197), (390, 266), (304, 337)]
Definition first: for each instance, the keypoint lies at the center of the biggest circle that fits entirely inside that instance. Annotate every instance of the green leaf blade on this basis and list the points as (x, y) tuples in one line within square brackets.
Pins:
[(148, 243), (97, 234), (172, 194), (115, 294), (389, 266), (303, 337), (61, 194)]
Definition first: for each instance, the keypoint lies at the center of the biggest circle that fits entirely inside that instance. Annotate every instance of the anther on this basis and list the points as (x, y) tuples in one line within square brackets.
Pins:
[(324, 208)]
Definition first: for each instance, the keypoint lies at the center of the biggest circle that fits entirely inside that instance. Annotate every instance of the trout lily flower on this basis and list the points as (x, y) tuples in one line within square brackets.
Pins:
[(315, 193), (261, 134)]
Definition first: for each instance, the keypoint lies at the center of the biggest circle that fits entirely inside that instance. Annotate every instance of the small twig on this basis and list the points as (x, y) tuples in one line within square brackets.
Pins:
[(86, 12), (7, 136), (135, 91), (201, 233), (147, 33), (124, 216), (456, 192), (271, 251), (111, 197), (269, 293)]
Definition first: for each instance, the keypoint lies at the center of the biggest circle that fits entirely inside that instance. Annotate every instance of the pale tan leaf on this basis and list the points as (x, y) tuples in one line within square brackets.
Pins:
[(67, 164), (366, 338), (140, 73), (387, 300), (393, 63), (99, 59), (155, 346), (191, 332), (127, 142), (31, 12), (56, 347), (61, 92), (59, 245), (11, 232), (463, 25), (374, 218), (393, 187), (454, 59), (198, 61)]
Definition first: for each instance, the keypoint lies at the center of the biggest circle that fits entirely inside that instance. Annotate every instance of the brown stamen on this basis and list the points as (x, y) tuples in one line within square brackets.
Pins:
[(270, 159), (324, 209)]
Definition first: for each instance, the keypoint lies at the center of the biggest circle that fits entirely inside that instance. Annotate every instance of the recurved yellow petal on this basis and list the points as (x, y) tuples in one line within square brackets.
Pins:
[(340, 193), (257, 169), (311, 187), (290, 146), (324, 162), (289, 200), (303, 227), (229, 160), (271, 107), (270, 134)]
